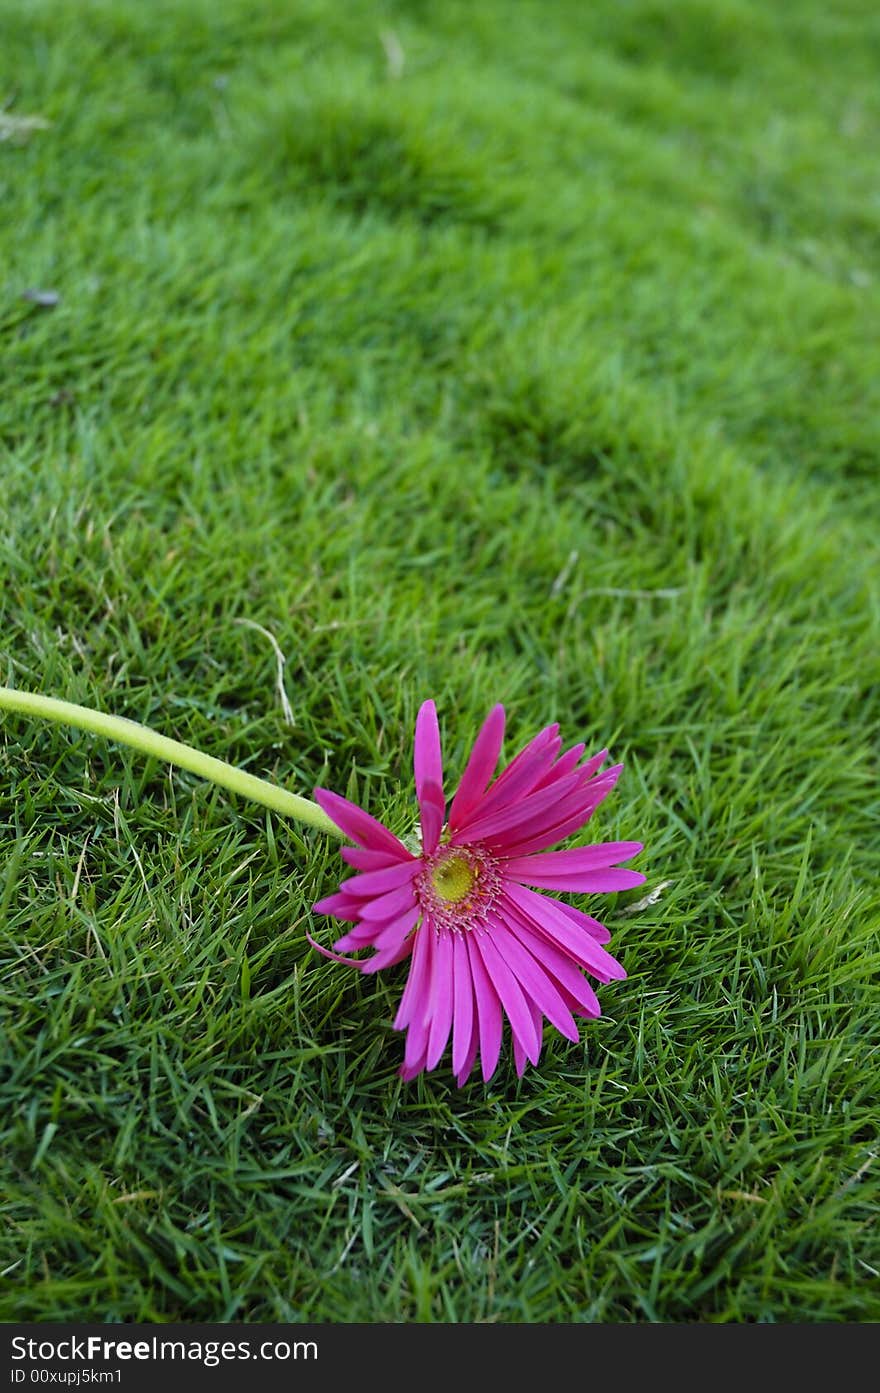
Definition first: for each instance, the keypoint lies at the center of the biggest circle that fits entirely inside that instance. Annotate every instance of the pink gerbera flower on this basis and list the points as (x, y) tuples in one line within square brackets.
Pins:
[(482, 942)]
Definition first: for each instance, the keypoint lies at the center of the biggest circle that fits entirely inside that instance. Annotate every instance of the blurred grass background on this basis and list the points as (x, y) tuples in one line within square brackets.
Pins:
[(481, 351)]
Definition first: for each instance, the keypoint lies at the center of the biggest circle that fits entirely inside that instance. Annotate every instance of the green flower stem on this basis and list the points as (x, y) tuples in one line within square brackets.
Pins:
[(147, 742)]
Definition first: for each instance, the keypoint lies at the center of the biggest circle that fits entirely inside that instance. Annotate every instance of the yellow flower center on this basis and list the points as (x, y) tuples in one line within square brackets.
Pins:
[(453, 879)]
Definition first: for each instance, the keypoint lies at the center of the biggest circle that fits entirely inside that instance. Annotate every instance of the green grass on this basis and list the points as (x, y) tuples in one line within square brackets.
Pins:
[(543, 371)]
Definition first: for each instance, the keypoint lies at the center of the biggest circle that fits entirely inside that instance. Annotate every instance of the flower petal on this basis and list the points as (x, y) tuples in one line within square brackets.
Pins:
[(432, 810), (415, 992), (464, 1072), (570, 980), (463, 1015), (488, 1011), (547, 917), (570, 816), (361, 936), (373, 883), (334, 957), (398, 928), (604, 882), (479, 768), (427, 757), (360, 826), (589, 1008), (582, 858), (585, 869), (508, 820), (536, 744), (564, 765), (539, 1027), (440, 1007), (520, 1057), (340, 905), (509, 992), (362, 860), (387, 957), (535, 982), (592, 765), (518, 779), (416, 1047), (387, 906), (409, 1074), (415, 1051), (585, 921)]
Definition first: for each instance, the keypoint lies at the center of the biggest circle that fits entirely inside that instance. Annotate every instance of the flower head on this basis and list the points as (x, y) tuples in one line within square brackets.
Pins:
[(483, 943)]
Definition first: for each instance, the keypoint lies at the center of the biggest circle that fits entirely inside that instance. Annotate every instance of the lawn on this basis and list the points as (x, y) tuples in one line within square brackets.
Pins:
[(483, 352)]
